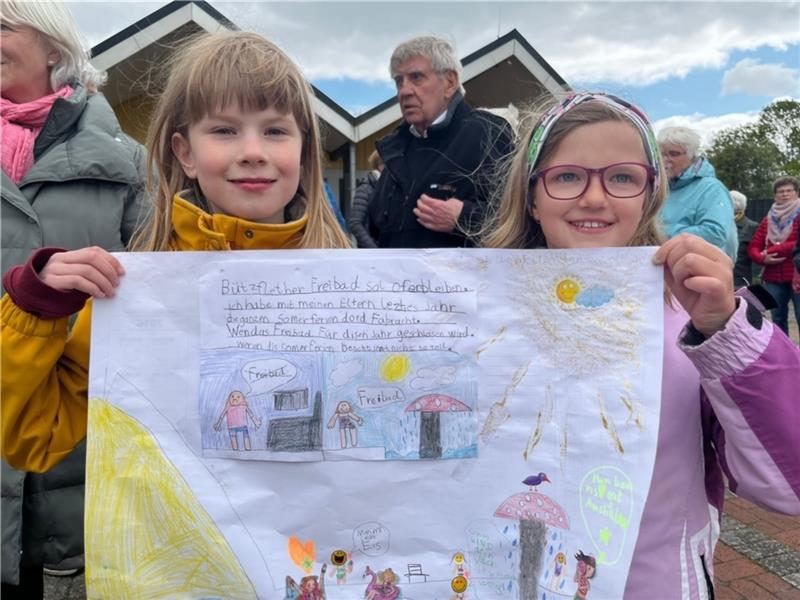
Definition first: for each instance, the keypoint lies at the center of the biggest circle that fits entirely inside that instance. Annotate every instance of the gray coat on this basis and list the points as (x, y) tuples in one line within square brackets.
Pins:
[(85, 188)]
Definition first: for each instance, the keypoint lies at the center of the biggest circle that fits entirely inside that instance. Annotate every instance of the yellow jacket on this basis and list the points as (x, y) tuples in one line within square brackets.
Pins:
[(45, 365)]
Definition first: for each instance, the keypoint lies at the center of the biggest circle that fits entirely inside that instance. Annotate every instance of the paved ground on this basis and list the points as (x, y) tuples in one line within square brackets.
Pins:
[(758, 557)]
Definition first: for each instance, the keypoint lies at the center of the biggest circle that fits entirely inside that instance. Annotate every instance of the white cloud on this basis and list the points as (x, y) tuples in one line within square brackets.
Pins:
[(630, 43), (345, 372), (707, 126), (749, 76)]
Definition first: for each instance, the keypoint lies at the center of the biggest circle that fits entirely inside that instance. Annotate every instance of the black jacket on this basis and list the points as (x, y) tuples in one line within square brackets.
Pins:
[(462, 151), (357, 222)]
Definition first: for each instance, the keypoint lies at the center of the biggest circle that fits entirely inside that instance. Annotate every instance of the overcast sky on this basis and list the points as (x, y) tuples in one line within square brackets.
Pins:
[(707, 65)]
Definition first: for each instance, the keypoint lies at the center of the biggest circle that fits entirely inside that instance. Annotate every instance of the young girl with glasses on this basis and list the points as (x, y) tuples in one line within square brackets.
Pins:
[(588, 175), (235, 149)]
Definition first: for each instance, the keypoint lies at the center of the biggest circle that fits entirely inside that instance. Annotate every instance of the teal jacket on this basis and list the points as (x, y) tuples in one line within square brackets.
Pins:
[(699, 203)]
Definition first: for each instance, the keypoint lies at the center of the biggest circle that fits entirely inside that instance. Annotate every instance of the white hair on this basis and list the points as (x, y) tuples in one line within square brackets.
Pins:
[(686, 138), (739, 201), (439, 52), (57, 29)]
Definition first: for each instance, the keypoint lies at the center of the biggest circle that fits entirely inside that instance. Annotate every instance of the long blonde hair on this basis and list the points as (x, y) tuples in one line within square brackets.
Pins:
[(208, 73), (512, 226)]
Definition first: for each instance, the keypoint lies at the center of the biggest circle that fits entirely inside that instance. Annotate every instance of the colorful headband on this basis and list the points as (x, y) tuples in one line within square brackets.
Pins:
[(632, 112)]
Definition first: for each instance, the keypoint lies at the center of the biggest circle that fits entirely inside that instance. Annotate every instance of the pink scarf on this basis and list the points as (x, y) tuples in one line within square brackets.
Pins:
[(20, 125), (780, 220)]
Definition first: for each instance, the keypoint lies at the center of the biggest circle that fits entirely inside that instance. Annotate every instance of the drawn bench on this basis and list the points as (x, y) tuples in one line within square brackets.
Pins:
[(415, 570)]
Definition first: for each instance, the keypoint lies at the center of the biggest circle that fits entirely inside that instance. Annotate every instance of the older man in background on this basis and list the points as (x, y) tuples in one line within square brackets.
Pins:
[(698, 202), (439, 164)]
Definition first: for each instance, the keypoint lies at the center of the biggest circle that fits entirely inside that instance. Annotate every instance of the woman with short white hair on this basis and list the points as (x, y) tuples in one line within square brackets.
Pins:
[(698, 202), (70, 179)]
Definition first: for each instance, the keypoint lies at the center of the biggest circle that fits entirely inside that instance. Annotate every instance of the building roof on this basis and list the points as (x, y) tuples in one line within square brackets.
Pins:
[(505, 69)]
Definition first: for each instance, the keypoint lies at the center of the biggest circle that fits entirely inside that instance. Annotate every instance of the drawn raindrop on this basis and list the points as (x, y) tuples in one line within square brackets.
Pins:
[(510, 585), (505, 529)]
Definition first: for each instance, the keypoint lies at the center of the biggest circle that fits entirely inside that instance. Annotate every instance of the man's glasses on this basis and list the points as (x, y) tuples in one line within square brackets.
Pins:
[(672, 153), (620, 180)]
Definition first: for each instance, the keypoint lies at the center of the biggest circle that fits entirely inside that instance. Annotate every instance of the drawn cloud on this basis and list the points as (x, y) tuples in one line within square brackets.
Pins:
[(430, 379), (345, 372)]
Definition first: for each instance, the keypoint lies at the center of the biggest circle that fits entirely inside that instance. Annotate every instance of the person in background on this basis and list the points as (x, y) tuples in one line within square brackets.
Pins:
[(441, 161), (334, 205), (772, 246), (70, 179), (358, 213), (796, 279), (745, 228), (698, 202)]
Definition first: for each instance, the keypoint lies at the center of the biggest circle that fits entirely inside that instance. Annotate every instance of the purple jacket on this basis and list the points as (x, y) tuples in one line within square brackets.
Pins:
[(728, 405)]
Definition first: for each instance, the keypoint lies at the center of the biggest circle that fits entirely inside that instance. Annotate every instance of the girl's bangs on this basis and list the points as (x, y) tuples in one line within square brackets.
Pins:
[(252, 79)]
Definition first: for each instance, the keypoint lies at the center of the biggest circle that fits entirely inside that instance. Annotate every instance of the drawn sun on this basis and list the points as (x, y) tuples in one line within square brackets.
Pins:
[(395, 367), (572, 293), (567, 289)]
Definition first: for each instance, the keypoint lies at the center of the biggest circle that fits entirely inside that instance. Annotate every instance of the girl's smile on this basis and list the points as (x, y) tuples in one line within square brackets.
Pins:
[(254, 184)]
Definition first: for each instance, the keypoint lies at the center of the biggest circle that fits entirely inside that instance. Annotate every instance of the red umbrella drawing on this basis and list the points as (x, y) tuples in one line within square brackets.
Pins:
[(430, 407)]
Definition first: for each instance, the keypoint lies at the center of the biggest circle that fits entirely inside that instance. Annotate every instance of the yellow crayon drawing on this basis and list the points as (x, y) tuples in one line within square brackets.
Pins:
[(544, 416), (499, 335), (498, 414), (609, 426), (634, 411), (395, 367), (147, 535)]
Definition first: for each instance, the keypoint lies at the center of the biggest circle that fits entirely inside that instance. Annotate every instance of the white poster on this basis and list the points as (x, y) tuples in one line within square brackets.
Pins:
[(388, 425)]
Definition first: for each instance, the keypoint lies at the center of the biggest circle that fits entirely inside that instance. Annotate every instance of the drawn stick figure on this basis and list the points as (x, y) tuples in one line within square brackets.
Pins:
[(347, 422), (236, 411)]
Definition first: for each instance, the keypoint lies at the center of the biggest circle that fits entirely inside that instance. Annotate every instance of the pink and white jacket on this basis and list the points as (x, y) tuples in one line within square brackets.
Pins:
[(730, 404)]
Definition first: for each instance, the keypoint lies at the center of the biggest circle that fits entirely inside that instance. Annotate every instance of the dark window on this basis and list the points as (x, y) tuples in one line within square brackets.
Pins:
[(291, 399)]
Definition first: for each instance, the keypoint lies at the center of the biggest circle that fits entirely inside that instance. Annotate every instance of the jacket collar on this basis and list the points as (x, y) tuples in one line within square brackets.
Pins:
[(697, 170), (82, 140), (62, 118), (442, 121), (394, 144), (195, 229)]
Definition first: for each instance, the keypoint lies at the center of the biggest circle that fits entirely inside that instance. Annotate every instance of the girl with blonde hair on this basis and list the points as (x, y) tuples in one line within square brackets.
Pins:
[(587, 174), (235, 157)]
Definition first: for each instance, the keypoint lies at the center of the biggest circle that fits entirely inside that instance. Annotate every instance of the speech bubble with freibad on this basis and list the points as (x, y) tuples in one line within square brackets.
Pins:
[(267, 374)]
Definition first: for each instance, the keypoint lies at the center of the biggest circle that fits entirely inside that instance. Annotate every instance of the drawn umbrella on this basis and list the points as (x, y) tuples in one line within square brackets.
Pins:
[(535, 513), (430, 407)]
